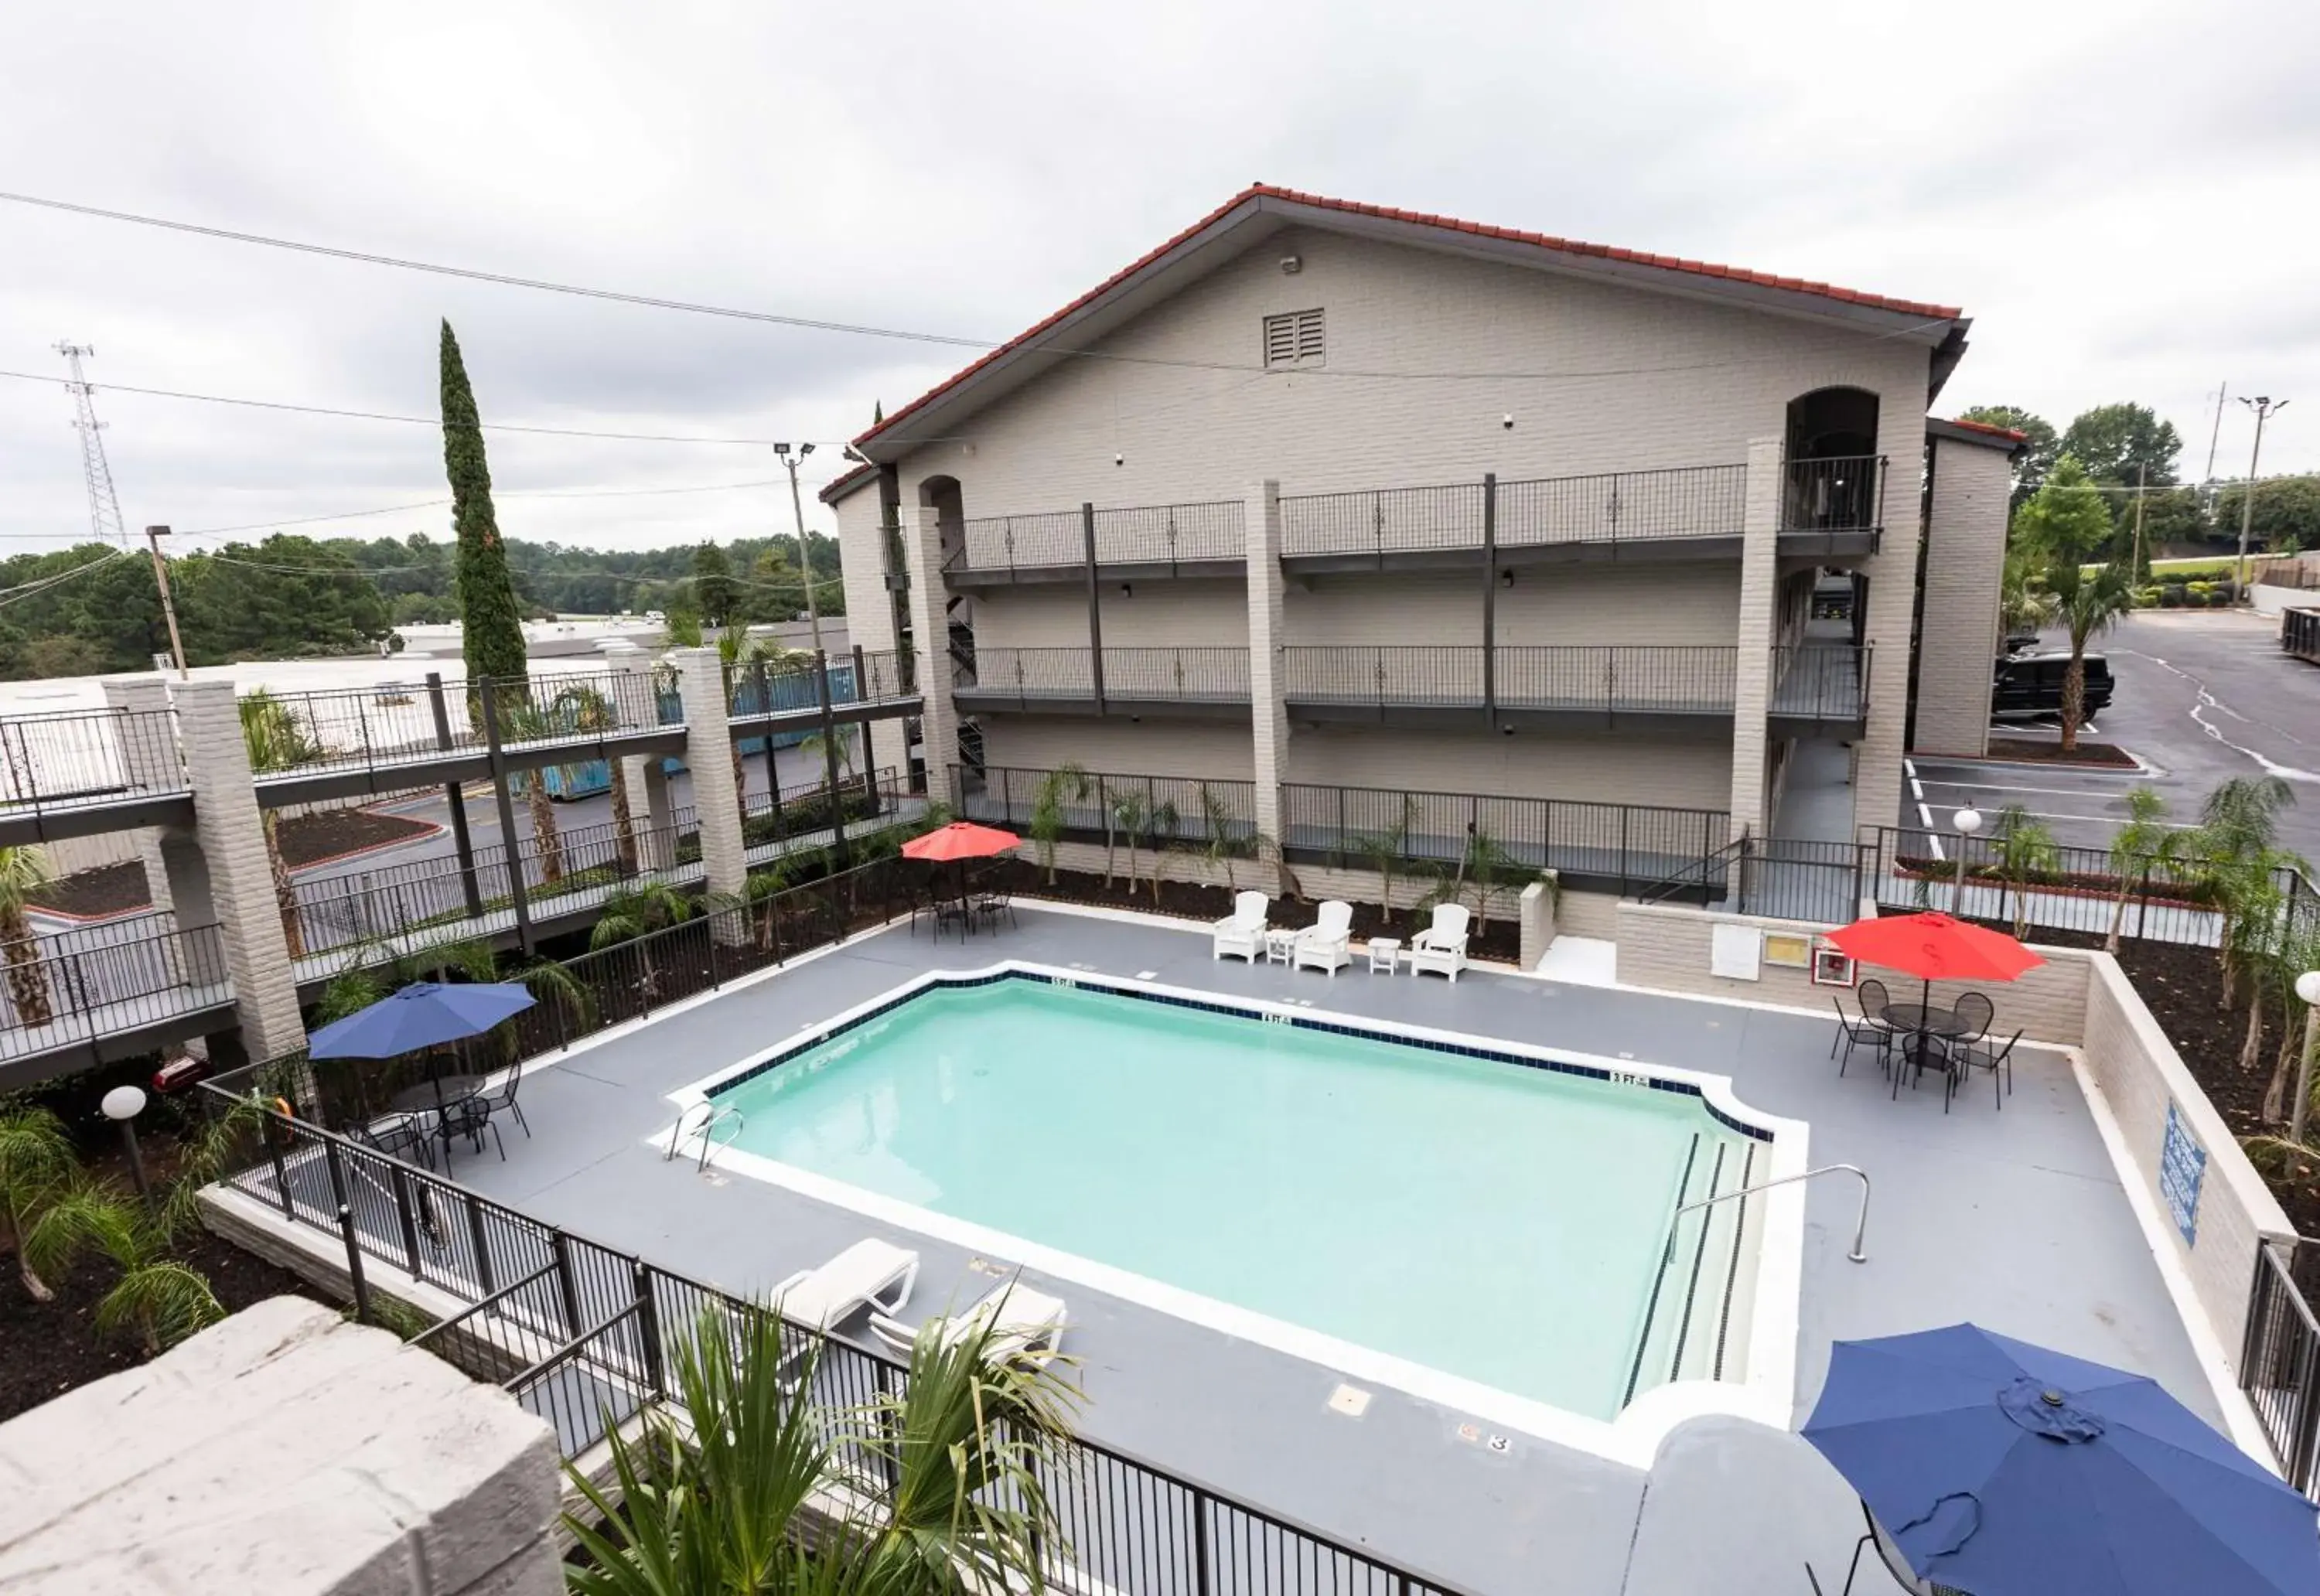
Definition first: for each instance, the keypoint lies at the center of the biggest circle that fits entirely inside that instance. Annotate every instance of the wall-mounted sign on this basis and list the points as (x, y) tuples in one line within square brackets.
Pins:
[(2182, 1165), (1788, 950), (1833, 968), (1735, 951)]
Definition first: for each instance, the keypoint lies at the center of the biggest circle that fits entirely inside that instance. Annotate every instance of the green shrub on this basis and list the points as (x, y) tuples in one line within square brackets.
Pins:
[(2170, 595)]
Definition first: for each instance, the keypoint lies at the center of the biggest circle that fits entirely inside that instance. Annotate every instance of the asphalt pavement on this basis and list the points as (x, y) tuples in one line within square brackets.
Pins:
[(2201, 696)]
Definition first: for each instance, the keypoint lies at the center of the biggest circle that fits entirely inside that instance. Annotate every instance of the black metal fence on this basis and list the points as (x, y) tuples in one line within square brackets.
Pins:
[(1131, 535), (73, 758), (1846, 494), (1821, 681), (1383, 520), (1009, 542), (2044, 885), (1189, 675), (586, 1336), (1091, 806), (1624, 506), (2280, 1367), (1582, 677), (105, 980)]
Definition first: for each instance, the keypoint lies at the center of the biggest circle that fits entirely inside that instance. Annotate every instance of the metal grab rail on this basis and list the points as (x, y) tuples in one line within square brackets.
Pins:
[(1860, 1228), (720, 1113)]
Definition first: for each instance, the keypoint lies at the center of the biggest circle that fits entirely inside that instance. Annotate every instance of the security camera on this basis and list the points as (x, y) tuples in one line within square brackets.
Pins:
[(1508, 420)]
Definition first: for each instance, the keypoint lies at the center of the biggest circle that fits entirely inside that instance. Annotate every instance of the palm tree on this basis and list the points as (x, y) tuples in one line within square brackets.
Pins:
[(633, 912), (1486, 868), (712, 1489), (275, 741), (36, 1161), (158, 1298), (2085, 606), (2232, 853), (2023, 605), (23, 871), (2144, 844), (2025, 849), (1068, 783), (1131, 814), (1387, 852), (589, 711), (524, 720)]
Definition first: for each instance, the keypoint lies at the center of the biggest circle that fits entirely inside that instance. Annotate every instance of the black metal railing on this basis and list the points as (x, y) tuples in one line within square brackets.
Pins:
[(1846, 494), (1784, 878), (1189, 675), (73, 758), (1383, 520), (1821, 681), (804, 809), (1624, 506), (586, 1338), (1010, 542), (106, 980), (400, 722), (1097, 806), (1137, 535), (1593, 677), (2002, 875), (2280, 1366)]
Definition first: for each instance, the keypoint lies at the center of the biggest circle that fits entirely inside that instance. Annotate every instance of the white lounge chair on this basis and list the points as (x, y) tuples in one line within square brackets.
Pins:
[(1441, 947), (871, 1274), (1323, 945), (1242, 932), (1019, 1319)]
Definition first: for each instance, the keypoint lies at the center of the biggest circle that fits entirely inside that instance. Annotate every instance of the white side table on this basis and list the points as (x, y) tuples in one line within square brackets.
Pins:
[(1383, 951), (1279, 946)]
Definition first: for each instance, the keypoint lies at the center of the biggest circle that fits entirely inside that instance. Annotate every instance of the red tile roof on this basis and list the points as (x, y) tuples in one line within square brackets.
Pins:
[(1419, 218), (840, 487), (2007, 433)]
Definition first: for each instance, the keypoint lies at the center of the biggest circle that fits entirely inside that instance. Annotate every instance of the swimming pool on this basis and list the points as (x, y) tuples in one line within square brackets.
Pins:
[(1500, 1216)]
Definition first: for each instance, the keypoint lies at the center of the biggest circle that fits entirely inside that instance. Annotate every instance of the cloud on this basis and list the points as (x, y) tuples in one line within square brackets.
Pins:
[(2106, 188)]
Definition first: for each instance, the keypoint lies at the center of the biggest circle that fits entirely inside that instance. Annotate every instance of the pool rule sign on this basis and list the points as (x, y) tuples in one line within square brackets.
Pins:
[(2182, 1165)]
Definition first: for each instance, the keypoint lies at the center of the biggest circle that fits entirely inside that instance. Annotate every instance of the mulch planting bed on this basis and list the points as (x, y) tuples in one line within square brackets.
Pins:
[(2039, 751), (306, 839), (95, 894), (54, 1347)]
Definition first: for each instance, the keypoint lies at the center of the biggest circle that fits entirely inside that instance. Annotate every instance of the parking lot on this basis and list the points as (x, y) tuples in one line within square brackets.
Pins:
[(2200, 697)]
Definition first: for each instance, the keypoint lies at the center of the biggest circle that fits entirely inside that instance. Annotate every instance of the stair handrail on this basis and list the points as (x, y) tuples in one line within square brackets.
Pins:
[(1859, 1255)]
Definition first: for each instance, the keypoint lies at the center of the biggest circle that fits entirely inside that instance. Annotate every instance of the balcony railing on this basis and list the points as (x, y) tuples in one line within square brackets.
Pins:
[(1583, 677), (1134, 535), (1030, 676), (1846, 494), (75, 758), (1094, 805), (1609, 507), (1381, 520), (1820, 682), (106, 980)]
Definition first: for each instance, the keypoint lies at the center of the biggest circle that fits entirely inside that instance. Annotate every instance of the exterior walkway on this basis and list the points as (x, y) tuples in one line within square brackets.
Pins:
[(2015, 1219)]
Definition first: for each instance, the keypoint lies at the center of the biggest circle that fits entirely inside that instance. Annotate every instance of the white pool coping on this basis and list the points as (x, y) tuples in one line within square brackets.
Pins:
[(1633, 1438)]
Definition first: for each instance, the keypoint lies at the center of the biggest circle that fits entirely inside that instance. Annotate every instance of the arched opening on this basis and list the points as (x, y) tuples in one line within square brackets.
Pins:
[(1833, 481)]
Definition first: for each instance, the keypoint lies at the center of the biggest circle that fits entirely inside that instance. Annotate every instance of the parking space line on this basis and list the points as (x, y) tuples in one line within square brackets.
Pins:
[(2010, 787)]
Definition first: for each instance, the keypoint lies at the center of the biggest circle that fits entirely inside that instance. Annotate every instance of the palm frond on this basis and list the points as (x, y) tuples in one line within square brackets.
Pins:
[(165, 1302)]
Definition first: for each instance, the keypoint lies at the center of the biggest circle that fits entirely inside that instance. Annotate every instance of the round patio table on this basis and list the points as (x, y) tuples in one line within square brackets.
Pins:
[(444, 1092), (1922, 1020)]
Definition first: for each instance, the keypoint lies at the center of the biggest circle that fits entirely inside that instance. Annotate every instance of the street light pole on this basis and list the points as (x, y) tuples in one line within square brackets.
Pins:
[(122, 1105), (153, 536), (1967, 821), (805, 553), (2263, 405), (2307, 988)]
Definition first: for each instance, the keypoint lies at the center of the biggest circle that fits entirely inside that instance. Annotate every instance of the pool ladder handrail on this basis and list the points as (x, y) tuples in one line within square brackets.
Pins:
[(1860, 1226), (719, 1113)]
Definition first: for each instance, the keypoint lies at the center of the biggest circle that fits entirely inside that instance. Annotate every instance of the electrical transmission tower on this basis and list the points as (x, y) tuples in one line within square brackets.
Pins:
[(103, 505)]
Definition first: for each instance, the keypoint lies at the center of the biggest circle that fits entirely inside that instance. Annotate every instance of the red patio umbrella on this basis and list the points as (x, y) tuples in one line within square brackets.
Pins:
[(1934, 947), (961, 839), (955, 844)]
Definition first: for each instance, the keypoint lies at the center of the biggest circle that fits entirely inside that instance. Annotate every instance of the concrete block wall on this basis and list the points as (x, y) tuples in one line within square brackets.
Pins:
[(285, 1451), (1965, 551), (231, 839), (1760, 540), (715, 799)]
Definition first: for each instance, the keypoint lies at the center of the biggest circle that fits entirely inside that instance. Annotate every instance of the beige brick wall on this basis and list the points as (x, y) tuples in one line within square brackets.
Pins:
[(1665, 605), (227, 826), (1964, 559), (1667, 947), (1598, 767), (1157, 747), (2139, 1073)]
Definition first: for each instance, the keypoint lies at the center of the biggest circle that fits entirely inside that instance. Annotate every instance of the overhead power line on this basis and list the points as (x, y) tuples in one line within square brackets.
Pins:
[(866, 329)]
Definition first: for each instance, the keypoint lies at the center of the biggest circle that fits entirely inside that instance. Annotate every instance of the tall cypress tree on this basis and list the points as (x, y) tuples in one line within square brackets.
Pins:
[(491, 625)]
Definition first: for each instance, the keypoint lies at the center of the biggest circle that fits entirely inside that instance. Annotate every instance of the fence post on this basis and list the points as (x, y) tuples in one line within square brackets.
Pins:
[(568, 1288), (475, 1234), (829, 758), (1490, 598), (648, 1329), (1095, 608), (1201, 1576), (354, 1265), (402, 1213), (281, 1175)]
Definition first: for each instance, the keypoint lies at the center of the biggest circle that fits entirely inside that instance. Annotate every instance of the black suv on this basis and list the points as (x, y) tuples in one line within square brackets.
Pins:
[(2028, 684)]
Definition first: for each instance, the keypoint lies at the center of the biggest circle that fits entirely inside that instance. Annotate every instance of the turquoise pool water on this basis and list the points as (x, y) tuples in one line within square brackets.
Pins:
[(1495, 1221)]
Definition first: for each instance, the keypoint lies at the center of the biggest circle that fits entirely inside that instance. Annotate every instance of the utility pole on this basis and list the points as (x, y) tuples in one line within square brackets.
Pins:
[(2215, 433), (2134, 567), (805, 555), (153, 536), (2263, 404)]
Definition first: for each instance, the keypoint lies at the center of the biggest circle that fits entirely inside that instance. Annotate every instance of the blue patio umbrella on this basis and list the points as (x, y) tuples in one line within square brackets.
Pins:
[(2004, 1469), (420, 1015)]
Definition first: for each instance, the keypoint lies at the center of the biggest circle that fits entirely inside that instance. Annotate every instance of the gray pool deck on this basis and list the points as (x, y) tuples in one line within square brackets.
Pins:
[(2015, 1219)]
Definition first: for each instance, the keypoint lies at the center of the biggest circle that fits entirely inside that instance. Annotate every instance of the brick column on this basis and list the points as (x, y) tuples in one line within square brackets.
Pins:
[(1892, 574), (709, 755), (931, 630), (1965, 562), (1268, 707), (647, 783), (227, 827), (1760, 549)]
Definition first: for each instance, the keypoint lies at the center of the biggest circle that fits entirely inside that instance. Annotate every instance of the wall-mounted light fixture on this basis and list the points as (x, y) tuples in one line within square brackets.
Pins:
[(1127, 590), (1506, 578)]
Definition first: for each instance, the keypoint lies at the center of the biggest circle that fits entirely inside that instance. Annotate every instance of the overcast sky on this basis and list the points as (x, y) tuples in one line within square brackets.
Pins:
[(2121, 194)]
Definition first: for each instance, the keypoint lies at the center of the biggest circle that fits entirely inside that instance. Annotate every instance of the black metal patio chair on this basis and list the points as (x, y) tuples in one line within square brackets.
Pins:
[(396, 1135), (1977, 1013), (1863, 1032), (492, 1100), (1994, 1059)]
